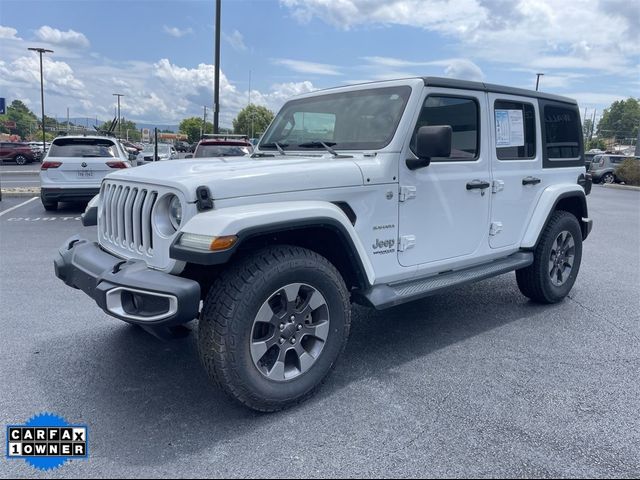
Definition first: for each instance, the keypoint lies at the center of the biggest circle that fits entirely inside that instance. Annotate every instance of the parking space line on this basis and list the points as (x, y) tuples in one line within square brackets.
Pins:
[(17, 206)]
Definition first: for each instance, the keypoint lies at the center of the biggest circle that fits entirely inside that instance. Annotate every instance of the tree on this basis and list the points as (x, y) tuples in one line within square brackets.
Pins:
[(192, 128), (598, 143), (25, 120), (587, 126), (620, 120), (252, 120)]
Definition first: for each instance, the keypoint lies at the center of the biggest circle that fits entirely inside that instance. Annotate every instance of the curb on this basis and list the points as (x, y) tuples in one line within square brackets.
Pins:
[(20, 192), (621, 187)]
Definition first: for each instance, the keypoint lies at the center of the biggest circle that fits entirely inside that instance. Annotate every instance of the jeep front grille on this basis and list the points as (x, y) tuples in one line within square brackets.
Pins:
[(125, 220)]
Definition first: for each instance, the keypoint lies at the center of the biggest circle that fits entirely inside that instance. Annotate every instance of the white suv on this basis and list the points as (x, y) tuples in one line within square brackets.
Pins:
[(380, 193), (75, 166)]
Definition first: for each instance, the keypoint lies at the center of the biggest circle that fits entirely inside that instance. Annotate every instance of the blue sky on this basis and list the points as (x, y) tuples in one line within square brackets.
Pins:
[(160, 53)]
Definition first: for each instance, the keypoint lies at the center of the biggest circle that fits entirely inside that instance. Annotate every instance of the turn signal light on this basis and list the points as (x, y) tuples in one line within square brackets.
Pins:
[(222, 243), (206, 242), (48, 165)]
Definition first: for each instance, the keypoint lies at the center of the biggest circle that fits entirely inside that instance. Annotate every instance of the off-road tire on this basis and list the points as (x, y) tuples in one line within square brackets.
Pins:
[(231, 305), (535, 281)]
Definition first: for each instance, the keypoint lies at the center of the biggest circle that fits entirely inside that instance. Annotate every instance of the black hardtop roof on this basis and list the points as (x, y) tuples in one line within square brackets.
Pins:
[(489, 87)]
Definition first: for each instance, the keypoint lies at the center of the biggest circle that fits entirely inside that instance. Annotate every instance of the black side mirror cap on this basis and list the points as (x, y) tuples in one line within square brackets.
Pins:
[(416, 163), (431, 141)]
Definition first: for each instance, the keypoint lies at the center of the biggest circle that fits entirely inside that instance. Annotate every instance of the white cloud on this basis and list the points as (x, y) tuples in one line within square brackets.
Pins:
[(177, 32), (8, 33), (236, 40), (70, 38), (301, 66), (58, 76), (600, 35), (387, 67)]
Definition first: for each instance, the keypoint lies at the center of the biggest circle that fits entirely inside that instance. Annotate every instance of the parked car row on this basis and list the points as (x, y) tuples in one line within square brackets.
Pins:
[(21, 153), (603, 167)]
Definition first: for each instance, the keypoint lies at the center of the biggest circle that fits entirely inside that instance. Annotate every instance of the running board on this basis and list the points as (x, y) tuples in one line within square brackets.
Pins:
[(385, 296)]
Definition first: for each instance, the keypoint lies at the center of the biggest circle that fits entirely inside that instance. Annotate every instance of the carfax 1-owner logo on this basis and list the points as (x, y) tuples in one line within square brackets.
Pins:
[(47, 441)]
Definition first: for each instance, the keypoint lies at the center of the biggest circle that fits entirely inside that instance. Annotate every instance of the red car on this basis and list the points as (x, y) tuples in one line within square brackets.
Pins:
[(223, 146), (20, 153)]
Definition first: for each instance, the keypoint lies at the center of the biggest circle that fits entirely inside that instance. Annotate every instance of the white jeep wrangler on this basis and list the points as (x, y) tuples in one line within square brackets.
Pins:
[(379, 193)]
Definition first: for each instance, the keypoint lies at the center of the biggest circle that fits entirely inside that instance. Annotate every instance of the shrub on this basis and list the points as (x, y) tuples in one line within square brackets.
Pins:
[(629, 171)]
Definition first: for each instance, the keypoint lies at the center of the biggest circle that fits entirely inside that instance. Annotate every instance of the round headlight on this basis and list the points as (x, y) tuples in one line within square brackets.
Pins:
[(175, 212)]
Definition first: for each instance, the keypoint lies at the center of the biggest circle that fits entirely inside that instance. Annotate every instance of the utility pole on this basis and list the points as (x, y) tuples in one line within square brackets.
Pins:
[(216, 85), (538, 75), (41, 51), (593, 124), (203, 129), (119, 122), (67, 120)]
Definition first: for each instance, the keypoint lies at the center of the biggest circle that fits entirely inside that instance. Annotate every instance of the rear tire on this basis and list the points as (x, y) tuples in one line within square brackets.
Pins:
[(556, 263), (49, 206), (20, 159), (265, 336)]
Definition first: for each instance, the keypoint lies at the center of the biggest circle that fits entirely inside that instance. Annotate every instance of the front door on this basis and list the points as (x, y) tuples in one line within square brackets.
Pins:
[(444, 207)]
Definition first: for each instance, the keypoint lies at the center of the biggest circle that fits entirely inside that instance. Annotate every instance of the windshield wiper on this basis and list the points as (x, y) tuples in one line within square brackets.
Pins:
[(279, 146), (326, 145)]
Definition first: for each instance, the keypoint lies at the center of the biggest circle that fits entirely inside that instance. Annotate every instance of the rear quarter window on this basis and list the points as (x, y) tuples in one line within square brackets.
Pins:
[(561, 135)]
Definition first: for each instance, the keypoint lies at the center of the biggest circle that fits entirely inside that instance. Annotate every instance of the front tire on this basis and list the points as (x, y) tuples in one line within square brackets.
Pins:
[(273, 326), (556, 261), (20, 160)]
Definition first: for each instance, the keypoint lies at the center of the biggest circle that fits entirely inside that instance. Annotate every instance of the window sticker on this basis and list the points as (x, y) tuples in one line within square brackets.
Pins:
[(509, 128)]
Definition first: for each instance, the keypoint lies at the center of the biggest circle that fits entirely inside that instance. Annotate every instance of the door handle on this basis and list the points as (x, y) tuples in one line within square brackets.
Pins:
[(530, 181), (478, 185)]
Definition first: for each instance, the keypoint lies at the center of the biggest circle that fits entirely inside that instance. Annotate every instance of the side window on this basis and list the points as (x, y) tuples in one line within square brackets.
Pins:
[(562, 132), (462, 114), (515, 124)]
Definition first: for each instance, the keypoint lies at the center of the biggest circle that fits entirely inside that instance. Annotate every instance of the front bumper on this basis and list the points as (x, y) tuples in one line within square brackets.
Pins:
[(127, 290)]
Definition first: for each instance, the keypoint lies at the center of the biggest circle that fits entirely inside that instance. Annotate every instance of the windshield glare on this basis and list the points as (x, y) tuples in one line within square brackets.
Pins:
[(356, 120)]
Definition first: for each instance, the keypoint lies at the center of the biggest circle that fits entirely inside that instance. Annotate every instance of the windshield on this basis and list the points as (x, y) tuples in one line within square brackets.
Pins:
[(83, 147), (222, 151), (356, 120)]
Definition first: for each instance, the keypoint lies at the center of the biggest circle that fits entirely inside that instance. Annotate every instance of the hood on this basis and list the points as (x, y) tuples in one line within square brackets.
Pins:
[(244, 176)]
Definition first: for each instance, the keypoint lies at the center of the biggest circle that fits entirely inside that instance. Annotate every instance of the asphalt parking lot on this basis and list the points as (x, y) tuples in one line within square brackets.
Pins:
[(475, 383)]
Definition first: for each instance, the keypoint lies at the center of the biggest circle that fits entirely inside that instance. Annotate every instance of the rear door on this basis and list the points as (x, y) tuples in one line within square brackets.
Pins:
[(516, 165)]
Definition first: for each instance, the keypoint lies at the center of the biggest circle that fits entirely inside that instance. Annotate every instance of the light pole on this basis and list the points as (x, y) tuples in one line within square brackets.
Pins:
[(41, 51), (538, 75), (119, 123), (216, 85)]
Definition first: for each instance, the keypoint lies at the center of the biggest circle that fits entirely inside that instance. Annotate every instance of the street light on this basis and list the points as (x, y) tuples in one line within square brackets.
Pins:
[(216, 81), (538, 75), (41, 51), (119, 123)]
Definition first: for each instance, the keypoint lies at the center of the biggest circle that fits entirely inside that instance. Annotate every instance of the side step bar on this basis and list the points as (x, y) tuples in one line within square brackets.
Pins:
[(385, 296)]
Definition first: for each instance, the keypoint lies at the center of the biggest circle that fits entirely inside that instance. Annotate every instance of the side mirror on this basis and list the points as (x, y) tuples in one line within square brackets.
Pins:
[(133, 157), (431, 141), (188, 155)]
